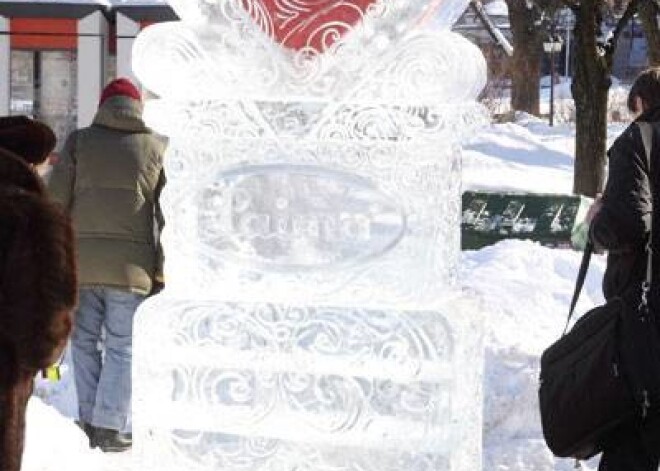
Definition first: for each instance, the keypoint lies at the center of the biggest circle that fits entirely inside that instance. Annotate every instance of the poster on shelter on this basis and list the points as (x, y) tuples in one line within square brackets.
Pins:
[(44, 86)]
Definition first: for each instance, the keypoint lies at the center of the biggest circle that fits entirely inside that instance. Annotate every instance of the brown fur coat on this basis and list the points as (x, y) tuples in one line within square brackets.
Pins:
[(37, 294)]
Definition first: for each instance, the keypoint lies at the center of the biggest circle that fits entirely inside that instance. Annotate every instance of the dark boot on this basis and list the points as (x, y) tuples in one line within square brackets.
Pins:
[(112, 441), (89, 431)]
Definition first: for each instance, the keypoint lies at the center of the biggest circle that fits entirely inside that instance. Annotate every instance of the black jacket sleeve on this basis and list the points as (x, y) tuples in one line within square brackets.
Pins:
[(625, 217)]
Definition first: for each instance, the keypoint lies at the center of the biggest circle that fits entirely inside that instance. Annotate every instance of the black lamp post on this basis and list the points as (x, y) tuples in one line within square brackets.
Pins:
[(566, 20), (552, 46)]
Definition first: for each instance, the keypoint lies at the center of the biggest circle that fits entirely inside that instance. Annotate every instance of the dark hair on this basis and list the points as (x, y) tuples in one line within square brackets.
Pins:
[(647, 88), (31, 140)]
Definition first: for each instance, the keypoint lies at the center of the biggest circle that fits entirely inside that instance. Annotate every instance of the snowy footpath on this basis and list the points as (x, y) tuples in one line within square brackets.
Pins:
[(526, 287)]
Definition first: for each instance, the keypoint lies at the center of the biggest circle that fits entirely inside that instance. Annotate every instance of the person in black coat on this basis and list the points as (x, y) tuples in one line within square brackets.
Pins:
[(620, 223)]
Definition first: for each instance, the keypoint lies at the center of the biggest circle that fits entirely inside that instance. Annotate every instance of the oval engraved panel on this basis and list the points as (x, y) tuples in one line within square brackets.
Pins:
[(293, 217)]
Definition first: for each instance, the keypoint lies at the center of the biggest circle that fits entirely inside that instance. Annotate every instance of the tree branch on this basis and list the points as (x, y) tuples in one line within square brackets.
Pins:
[(493, 30), (574, 5), (631, 9), (647, 13)]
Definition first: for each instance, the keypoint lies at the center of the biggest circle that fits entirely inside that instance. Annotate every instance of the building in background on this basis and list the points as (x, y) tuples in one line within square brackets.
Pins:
[(631, 55), (56, 55)]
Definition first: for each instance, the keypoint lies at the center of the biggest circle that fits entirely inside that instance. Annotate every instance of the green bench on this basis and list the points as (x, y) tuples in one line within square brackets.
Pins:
[(551, 220)]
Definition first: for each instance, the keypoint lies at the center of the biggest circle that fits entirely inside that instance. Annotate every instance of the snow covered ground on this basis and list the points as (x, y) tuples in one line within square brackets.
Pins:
[(527, 288)]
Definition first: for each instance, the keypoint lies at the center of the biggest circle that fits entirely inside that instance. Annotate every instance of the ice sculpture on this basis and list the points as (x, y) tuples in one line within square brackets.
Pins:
[(312, 318)]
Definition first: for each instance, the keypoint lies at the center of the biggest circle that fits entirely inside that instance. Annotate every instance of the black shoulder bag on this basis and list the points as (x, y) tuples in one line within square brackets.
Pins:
[(604, 372)]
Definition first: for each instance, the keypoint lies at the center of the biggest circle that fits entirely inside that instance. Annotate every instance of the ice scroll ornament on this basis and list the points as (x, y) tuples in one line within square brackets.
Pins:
[(311, 317)]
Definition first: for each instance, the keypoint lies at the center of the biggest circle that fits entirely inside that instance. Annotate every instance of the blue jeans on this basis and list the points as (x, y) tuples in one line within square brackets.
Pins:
[(103, 376)]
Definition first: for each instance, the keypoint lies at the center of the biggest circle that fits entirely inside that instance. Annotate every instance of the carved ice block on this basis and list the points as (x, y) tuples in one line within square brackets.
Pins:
[(263, 386), (298, 175), (343, 223), (311, 318)]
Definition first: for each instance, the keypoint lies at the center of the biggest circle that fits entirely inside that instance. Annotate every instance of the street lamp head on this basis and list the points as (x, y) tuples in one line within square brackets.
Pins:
[(565, 18), (553, 44)]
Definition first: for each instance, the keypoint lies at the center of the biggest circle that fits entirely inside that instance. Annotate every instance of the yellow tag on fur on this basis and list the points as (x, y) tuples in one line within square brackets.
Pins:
[(52, 373)]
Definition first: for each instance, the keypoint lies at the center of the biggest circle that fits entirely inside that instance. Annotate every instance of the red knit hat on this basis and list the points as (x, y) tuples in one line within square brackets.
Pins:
[(120, 86)]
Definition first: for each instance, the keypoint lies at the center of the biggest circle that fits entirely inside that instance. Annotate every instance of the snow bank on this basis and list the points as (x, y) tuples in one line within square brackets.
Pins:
[(528, 289), (53, 442), (510, 157)]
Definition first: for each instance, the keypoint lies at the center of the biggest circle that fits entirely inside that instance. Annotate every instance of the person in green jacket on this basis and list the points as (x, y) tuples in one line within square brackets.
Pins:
[(109, 177)]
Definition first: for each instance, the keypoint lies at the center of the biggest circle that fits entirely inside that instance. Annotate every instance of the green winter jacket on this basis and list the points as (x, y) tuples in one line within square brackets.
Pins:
[(109, 178)]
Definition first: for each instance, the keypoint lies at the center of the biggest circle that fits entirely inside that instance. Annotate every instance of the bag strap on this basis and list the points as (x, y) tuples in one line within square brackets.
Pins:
[(647, 138), (579, 283)]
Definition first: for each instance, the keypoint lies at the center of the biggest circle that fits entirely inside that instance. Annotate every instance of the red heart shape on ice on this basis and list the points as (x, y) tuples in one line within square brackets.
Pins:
[(298, 24)]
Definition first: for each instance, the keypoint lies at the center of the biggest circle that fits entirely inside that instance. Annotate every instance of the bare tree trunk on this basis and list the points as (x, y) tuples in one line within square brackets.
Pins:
[(591, 83), (526, 60), (648, 15), (590, 144)]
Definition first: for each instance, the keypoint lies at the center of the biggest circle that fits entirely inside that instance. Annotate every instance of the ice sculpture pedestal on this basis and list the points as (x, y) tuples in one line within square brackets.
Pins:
[(244, 386), (311, 318)]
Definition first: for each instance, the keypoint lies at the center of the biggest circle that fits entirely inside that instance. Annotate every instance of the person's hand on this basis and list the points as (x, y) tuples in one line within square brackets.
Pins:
[(594, 209), (591, 214)]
